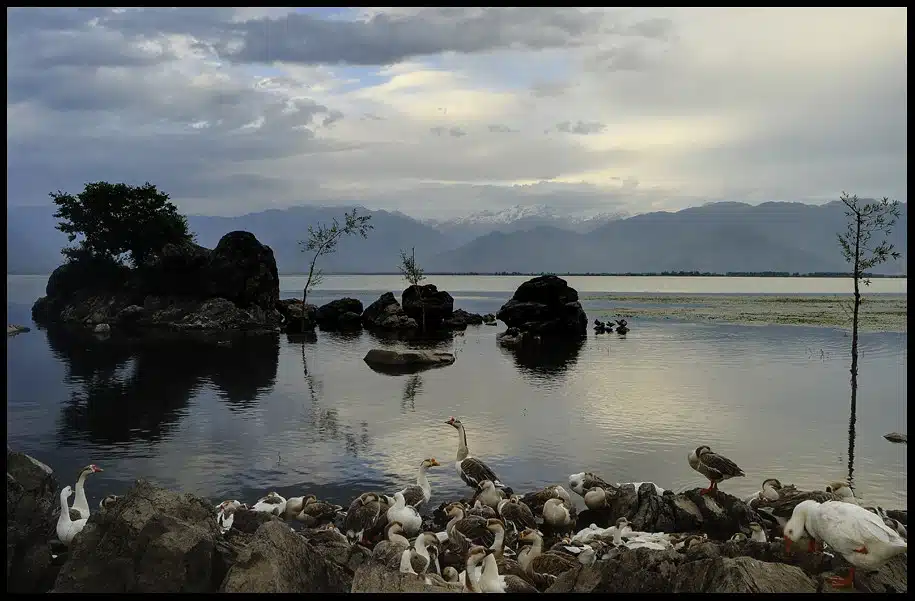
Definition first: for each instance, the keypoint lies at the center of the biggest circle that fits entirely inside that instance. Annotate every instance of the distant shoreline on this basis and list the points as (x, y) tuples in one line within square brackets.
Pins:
[(648, 274)]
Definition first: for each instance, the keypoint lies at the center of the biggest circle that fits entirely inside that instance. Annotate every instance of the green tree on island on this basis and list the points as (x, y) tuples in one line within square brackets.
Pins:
[(414, 275), (118, 221), (322, 240), (865, 245)]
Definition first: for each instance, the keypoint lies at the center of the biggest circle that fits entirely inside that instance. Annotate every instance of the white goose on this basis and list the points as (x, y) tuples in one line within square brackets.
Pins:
[(80, 502), (419, 494), (844, 491), (491, 581), (273, 504), (67, 529), (857, 534), (470, 469), (407, 515)]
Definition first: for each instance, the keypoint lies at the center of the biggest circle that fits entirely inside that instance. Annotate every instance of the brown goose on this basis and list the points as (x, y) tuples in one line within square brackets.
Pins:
[(506, 565), (484, 511), (536, 500), (713, 466), (367, 512), (559, 515), (470, 469), (597, 498), (389, 551), (108, 502), (581, 482), (535, 561), (517, 513), (488, 494), (417, 495), (314, 512), (472, 528), (771, 489)]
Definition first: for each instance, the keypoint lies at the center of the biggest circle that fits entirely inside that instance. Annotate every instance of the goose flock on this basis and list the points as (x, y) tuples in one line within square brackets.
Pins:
[(499, 541)]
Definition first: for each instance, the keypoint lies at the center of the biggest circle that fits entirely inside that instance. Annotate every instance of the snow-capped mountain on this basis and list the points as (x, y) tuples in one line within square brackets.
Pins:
[(519, 218)]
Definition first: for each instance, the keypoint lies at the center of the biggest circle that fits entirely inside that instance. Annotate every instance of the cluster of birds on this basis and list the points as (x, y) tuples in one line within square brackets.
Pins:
[(499, 541), (602, 327)]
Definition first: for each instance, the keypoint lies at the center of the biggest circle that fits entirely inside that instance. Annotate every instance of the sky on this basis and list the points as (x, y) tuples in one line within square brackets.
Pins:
[(442, 112)]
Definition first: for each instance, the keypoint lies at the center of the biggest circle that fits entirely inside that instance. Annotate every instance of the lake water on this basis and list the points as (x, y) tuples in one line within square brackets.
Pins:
[(268, 413)]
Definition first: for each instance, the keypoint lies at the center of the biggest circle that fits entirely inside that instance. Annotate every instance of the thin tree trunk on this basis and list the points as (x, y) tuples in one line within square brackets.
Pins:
[(854, 353)]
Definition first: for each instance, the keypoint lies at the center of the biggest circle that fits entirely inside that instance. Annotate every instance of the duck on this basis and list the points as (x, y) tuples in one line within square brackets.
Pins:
[(517, 513), (585, 481), (417, 495), (407, 515), (771, 490), (107, 503), (488, 494), (535, 561), (596, 499), (757, 533), (273, 504), (536, 500), (470, 469), (80, 502), (843, 490), (690, 541), (852, 531), (557, 514), (67, 528), (492, 582), (364, 514), (622, 327), (620, 529), (313, 512), (713, 466)]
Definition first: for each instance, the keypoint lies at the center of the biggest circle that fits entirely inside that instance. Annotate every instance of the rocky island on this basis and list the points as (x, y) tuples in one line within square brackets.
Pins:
[(154, 540)]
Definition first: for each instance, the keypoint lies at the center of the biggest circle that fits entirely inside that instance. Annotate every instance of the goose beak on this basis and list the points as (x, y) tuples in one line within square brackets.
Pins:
[(96, 468), (787, 544)]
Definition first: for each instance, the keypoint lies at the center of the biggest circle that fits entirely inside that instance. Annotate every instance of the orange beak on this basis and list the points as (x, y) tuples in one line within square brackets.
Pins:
[(96, 468), (787, 544)]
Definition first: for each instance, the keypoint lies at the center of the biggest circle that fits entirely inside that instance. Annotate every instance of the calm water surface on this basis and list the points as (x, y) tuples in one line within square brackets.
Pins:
[(234, 421)]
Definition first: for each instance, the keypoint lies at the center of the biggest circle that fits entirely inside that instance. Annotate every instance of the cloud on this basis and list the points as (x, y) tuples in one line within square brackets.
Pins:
[(502, 129), (235, 110), (581, 127)]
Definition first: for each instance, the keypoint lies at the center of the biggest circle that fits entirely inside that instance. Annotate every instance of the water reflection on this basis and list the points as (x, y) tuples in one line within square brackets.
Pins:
[(547, 359), (325, 421), (124, 389), (412, 387)]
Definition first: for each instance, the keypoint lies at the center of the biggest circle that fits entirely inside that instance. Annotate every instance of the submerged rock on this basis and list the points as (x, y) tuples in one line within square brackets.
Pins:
[(12, 329), (401, 362), (896, 437)]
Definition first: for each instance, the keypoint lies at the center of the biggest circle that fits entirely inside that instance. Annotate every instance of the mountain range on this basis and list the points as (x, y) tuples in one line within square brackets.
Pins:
[(717, 237)]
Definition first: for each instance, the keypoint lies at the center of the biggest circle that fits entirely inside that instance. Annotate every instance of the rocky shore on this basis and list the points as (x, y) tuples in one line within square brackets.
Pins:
[(155, 540)]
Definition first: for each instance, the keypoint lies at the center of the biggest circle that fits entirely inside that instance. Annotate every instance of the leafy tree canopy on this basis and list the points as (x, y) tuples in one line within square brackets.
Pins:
[(118, 220)]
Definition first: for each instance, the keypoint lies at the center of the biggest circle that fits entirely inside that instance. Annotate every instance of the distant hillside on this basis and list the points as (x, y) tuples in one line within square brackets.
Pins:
[(720, 237)]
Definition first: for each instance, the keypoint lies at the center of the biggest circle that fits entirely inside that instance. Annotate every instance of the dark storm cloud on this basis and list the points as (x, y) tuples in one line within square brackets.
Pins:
[(385, 39)]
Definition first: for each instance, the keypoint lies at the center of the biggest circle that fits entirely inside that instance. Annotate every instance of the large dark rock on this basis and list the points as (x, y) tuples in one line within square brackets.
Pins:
[(333, 315), (152, 540), (460, 319), (182, 287), (292, 309), (387, 314), (277, 560), (546, 306), (32, 507), (374, 577), (428, 305), (243, 271)]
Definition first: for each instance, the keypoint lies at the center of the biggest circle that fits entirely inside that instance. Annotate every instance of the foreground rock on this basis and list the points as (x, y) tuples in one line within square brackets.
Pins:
[(375, 577), (404, 362), (545, 306), (183, 287), (298, 318), (32, 507)]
